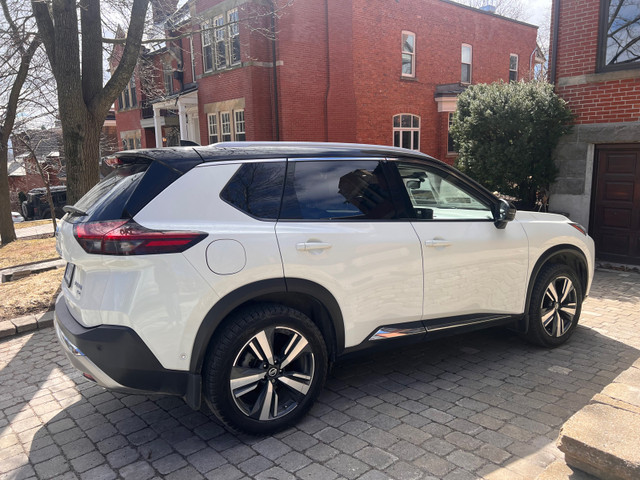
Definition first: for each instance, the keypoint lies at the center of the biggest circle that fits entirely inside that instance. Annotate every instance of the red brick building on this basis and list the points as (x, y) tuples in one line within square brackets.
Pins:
[(595, 65), (370, 71)]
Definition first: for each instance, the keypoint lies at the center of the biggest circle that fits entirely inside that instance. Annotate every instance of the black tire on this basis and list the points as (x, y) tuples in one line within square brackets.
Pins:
[(554, 309), (25, 210), (261, 402)]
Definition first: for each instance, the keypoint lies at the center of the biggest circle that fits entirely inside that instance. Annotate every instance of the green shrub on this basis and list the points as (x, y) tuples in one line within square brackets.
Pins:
[(505, 134)]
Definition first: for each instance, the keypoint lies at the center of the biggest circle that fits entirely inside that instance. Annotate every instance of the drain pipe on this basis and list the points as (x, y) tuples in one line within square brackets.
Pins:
[(276, 100), (326, 96), (554, 45)]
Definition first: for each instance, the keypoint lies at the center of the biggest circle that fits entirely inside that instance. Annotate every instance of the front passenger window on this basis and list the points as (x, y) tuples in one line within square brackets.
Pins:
[(434, 195)]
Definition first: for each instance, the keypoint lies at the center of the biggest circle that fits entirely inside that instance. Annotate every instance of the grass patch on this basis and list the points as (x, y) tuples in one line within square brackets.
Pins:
[(32, 223), (27, 251), (31, 294)]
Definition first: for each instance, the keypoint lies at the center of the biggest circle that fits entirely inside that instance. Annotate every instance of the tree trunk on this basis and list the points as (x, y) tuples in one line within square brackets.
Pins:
[(81, 142), (7, 231)]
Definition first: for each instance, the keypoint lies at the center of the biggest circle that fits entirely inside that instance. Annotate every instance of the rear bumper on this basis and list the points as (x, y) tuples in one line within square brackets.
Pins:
[(117, 359)]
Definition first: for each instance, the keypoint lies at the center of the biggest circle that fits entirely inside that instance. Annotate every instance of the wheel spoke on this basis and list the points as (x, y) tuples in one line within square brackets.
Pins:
[(243, 377), (567, 288), (266, 398), (558, 325), (300, 344), (552, 292), (569, 310), (296, 385), (265, 345), (547, 317)]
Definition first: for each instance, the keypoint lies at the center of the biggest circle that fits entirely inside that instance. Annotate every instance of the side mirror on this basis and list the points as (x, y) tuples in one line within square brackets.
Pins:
[(505, 213)]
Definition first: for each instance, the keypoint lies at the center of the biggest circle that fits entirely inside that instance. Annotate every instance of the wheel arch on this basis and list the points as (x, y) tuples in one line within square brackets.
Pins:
[(569, 255), (312, 299)]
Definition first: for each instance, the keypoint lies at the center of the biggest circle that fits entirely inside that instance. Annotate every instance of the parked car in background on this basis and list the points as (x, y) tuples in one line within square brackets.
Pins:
[(236, 272), (16, 217), (36, 206)]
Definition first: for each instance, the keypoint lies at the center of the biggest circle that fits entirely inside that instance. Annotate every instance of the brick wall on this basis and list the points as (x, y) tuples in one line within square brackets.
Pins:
[(594, 97), (441, 28), (339, 67)]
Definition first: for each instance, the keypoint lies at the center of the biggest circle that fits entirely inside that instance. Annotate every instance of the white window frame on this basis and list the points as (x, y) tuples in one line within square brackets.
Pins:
[(193, 59), (239, 125), (400, 129), (213, 128), (219, 36), (206, 36), (226, 126), (470, 63), (233, 32), (411, 54), (167, 78), (511, 70)]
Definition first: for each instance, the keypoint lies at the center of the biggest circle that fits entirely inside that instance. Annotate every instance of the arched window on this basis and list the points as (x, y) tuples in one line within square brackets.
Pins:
[(406, 131)]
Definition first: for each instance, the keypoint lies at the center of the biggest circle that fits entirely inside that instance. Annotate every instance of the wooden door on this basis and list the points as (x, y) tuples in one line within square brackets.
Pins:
[(615, 213)]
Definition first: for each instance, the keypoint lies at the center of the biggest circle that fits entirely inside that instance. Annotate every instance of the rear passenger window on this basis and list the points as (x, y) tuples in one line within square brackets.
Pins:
[(256, 189), (327, 190)]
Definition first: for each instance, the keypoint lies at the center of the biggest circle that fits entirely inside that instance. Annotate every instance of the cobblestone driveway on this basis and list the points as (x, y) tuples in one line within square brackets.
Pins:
[(479, 405)]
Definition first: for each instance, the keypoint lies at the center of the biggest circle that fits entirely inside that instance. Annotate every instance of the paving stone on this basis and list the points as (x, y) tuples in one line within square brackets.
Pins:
[(316, 472), (376, 457), (347, 466)]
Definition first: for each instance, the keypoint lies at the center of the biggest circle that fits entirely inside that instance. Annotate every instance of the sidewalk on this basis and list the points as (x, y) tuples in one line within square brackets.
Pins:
[(31, 231)]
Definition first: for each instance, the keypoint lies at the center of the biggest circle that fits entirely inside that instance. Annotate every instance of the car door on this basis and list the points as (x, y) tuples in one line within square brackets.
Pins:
[(473, 271), (338, 228)]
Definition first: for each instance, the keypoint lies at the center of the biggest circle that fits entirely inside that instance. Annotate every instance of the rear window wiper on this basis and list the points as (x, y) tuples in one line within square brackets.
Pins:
[(73, 210)]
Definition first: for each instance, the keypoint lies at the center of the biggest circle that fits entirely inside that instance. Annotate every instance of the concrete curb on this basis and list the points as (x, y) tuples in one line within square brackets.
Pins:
[(602, 438), (16, 326)]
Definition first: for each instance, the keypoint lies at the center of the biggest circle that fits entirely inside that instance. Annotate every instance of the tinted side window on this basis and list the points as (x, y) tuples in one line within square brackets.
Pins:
[(325, 190), (256, 189)]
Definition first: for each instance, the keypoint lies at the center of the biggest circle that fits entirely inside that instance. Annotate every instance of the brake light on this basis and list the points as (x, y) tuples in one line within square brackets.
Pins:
[(126, 237)]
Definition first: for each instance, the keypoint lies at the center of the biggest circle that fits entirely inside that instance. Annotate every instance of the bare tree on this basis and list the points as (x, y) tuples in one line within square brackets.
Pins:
[(16, 53), (72, 34), (45, 169)]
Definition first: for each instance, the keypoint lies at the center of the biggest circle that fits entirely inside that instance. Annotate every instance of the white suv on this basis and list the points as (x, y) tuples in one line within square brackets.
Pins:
[(239, 271)]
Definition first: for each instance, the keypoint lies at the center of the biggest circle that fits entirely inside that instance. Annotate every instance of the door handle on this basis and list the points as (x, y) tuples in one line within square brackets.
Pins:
[(437, 243), (308, 246)]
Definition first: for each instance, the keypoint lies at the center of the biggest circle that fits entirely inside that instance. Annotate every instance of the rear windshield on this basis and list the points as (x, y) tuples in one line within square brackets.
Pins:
[(117, 181)]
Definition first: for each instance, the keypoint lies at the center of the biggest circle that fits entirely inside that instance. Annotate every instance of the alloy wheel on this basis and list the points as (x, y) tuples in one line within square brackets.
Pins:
[(558, 308), (272, 373)]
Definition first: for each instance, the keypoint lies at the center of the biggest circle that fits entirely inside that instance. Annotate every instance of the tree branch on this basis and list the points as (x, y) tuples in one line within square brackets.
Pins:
[(45, 28), (123, 72)]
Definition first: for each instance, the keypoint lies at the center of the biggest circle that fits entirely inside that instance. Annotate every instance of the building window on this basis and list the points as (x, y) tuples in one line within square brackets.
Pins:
[(465, 76), (225, 126), (619, 33), (451, 148), (239, 125), (128, 98), (207, 48), (406, 131), (234, 36), (213, 128), (167, 75), (513, 67), (408, 54), (220, 44)]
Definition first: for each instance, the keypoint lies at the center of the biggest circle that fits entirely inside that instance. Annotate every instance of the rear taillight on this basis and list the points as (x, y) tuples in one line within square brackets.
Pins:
[(126, 237)]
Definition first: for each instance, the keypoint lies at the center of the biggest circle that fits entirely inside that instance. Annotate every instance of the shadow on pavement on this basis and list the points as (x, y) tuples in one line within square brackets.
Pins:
[(465, 406)]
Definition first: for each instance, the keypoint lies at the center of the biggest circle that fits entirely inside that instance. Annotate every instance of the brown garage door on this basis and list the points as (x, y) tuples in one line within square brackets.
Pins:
[(615, 221)]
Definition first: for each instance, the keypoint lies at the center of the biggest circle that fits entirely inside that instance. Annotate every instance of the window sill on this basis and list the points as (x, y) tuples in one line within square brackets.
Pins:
[(408, 79), (123, 110), (218, 72)]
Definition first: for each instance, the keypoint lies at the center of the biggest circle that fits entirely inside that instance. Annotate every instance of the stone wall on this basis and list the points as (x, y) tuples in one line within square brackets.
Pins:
[(571, 194)]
